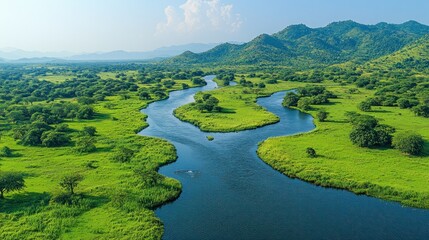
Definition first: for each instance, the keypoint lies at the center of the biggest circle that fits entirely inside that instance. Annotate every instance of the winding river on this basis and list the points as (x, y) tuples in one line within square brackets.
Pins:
[(229, 193)]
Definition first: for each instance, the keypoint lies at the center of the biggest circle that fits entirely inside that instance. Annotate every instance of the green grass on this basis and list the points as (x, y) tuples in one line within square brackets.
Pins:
[(55, 78), (382, 173), (240, 111), (116, 205)]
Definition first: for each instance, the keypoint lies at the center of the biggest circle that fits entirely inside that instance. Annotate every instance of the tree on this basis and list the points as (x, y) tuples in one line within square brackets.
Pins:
[(311, 152), (322, 115), (10, 181), (85, 144), (5, 152), (365, 106), (144, 96), (148, 177), (410, 143), (69, 182), (367, 132), (422, 110), (123, 155), (54, 139), (89, 130), (85, 112), (304, 103), (290, 100)]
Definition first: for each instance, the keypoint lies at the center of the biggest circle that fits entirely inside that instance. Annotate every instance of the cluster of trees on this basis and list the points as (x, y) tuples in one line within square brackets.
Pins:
[(226, 77), (50, 113), (306, 96), (208, 103), (368, 132), (29, 90)]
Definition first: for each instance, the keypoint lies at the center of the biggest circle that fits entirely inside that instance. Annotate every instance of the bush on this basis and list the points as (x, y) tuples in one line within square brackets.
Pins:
[(54, 139), (365, 106), (89, 130), (304, 103), (123, 155), (322, 115), (311, 152), (5, 152), (409, 143), (290, 100), (85, 144)]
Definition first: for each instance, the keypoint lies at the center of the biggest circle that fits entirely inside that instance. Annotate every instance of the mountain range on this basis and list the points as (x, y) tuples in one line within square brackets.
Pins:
[(299, 45), (18, 55)]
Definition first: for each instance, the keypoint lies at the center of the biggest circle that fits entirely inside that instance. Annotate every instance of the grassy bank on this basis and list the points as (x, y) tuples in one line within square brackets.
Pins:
[(239, 108), (382, 173), (115, 203)]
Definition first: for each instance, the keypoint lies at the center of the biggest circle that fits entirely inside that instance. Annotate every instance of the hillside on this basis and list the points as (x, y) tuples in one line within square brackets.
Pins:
[(299, 45), (414, 58)]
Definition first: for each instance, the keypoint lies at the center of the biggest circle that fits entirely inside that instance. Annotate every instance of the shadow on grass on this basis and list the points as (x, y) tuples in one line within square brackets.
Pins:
[(228, 110), (20, 202)]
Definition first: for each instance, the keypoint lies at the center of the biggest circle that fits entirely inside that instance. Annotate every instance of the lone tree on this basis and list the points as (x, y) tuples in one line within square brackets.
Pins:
[(311, 152), (322, 115), (409, 143), (69, 182), (10, 181)]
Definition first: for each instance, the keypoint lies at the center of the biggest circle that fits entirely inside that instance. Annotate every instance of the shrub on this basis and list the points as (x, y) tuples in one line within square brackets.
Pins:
[(365, 106), (322, 115), (5, 152), (290, 100), (311, 152), (409, 143), (123, 155), (304, 103)]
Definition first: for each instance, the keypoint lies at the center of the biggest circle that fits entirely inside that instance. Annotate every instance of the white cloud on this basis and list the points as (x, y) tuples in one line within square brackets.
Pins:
[(199, 15)]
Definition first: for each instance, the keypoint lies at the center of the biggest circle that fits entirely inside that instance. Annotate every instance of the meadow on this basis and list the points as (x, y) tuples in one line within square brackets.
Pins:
[(114, 200)]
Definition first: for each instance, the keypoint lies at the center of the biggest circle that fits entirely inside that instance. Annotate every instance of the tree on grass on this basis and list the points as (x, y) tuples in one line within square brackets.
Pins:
[(290, 100), (89, 130), (410, 143), (149, 177), (322, 115), (123, 155), (69, 182), (365, 106), (85, 144), (5, 152), (304, 103), (10, 181), (311, 152)]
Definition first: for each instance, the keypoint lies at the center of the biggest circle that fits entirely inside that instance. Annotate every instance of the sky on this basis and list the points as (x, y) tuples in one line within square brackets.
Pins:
[(142, 25)]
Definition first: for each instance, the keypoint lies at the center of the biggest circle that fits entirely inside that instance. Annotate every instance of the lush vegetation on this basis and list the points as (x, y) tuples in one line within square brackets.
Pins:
[(236, 108), (365, 148), (303, 47), (71, 165)]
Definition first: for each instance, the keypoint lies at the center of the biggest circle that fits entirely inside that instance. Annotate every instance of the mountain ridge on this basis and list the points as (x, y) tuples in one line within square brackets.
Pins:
[(301, 45)]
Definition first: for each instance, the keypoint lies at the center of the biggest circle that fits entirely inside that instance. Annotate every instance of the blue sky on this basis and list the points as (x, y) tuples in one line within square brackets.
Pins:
[(139, 25)]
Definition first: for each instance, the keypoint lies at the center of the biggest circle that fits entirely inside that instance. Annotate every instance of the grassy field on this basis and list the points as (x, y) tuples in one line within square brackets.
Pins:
[(55, 78), (115, 205), (382, 173), (239, 108)]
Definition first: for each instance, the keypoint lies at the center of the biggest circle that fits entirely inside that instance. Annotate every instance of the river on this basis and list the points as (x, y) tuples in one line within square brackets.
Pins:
[(229, 193)]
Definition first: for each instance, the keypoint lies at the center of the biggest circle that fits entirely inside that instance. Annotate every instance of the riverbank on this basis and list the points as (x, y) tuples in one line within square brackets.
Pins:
[(239, 108), (381, 173)]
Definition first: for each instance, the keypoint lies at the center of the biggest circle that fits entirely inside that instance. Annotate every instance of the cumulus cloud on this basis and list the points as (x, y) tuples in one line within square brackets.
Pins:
[(197, 15)]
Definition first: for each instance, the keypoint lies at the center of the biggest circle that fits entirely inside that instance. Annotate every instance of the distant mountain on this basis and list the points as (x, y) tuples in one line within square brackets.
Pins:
[(300, 45), (163, 52), (18, 55)]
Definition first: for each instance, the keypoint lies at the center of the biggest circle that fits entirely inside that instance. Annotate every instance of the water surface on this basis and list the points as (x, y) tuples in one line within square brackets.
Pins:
[(229, 193)]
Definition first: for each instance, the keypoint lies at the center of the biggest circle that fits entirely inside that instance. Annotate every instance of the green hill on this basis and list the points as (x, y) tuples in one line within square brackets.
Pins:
[(299, 45)]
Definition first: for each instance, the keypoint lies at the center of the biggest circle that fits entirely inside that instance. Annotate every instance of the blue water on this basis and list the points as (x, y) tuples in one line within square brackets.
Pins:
[(229, 193)]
